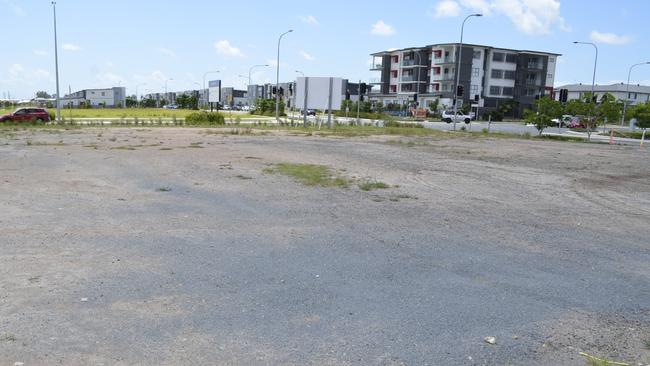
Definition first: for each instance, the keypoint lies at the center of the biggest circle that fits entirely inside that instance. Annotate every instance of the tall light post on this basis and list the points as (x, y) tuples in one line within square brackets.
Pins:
[(277, 79), (460, 53), (56, 66), (168, 101), (301, 73), (250, 70), (207, 93), (593, 80), (627, 91)]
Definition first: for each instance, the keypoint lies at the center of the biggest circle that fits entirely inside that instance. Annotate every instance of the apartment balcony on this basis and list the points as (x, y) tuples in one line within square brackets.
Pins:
[(443, 77), (533, 82), (375, 81), (535, 66), (376, 67), (444, 60), (411, 63)]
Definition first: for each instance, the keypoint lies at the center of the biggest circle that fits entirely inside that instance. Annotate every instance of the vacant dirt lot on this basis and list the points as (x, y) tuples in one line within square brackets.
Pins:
[(175, 247)]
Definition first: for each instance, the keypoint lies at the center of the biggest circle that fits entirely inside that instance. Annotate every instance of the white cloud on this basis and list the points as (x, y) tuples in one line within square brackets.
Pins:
[(166, 51), (159, 76), (446, 8), (41, 74), (16, 69), (71, 47), (528, 16), (224, 48), (309, 19), (532, 16), (609, 38), (40, 52), (273, 63), (382, 29), (307, 56), (109, 79), (15, 8)]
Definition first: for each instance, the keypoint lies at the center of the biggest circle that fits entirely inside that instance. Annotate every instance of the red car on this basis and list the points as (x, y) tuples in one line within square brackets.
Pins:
[(27, 115)]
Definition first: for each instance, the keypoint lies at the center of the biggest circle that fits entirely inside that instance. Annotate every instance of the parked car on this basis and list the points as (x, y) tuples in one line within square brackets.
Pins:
[(245, 108), (27, 115), (565, 121), (171, 106), (448, 116), (310, 112)]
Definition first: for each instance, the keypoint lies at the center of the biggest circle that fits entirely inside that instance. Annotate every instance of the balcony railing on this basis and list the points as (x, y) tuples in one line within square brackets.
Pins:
[(444, 77), (444, 60), (533, 82), (375, 81), (409, 78), (535, 66), (376, 67)]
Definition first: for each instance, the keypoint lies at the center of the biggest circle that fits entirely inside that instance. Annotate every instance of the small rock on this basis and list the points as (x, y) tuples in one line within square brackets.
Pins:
[(84, 299), (19, 363), (490, 340)]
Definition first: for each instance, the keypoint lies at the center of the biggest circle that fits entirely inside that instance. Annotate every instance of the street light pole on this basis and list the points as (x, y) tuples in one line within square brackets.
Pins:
[(166, 90), (460, 53), (56, 66), (627, 91), (593, 80), (250, 70), (277, 79), (204, 89)]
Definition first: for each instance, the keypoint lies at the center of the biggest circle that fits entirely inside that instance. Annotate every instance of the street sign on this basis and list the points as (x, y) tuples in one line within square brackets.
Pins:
[(318, 92), (214, 91)]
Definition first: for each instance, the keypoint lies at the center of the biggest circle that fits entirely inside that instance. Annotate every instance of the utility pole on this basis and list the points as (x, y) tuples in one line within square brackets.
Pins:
[(359, 103), (460, 53), (627, 91), (277, 79), (56, 66)]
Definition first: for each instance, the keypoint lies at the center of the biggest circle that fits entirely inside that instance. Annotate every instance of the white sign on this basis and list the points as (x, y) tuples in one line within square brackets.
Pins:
[(214, 91), (318, 92)]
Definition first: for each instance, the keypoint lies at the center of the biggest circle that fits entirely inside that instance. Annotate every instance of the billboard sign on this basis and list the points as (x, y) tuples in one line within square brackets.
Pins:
[(317, 90), (214, 91)]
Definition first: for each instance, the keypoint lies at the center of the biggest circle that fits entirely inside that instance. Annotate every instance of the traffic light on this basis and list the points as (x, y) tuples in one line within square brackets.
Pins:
[(415, 97), (281, 91), (290, 88), (363, 88), (564, 95), (460, 91), (476, 97), (347, 94), (275, 90)]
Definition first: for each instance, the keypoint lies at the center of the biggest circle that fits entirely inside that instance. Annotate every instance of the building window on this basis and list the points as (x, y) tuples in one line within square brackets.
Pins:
[(551, 59), (395, 59), (473, 90), (497, 74), (631, 96), (498, 56), (436, 71), (508, 91), (549, 76), (476, 72), (446, 70), (509, 75), (393, 73), (477, 55), (495, 90), (511, 57), (103, 94), (445, 87), (393, 88)]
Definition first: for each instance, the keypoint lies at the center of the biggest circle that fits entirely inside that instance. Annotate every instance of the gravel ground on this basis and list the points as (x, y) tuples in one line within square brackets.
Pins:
[(173, 246)]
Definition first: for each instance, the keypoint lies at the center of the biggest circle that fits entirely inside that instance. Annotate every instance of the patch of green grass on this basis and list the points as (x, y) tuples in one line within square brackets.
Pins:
[(123, 148), (596, 361), (164, 189), (310, 174), (166, 148), (647, 344), (371, 185)]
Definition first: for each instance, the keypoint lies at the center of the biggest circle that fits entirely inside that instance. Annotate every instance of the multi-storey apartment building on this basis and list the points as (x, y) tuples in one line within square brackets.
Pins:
[(109, 97), (488, 74)]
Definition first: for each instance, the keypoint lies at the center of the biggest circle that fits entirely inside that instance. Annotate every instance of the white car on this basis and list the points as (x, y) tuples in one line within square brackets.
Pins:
[(448, 116), (245, 108)]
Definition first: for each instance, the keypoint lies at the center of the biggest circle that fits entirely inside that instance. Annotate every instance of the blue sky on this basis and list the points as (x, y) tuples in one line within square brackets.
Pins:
[(103, 44)]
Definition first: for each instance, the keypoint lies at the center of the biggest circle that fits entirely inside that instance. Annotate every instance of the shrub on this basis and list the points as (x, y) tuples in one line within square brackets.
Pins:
[(205, 118), (52, 115)]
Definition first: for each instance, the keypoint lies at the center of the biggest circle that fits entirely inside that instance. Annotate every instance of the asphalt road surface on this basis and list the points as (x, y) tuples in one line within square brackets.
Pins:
[(176, 246)]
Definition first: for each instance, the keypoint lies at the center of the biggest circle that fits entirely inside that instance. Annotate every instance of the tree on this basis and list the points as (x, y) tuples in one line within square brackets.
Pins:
[(148, 103), (547, 110), (433, 105), (586, 109), (131, 102), (43, 94), (609, 109), (641, 112)]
